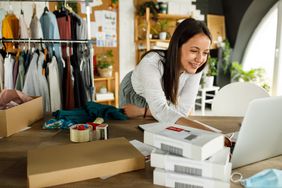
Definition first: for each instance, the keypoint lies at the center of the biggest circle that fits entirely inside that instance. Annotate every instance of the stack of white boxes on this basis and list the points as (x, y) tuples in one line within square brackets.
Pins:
[(188, 157)]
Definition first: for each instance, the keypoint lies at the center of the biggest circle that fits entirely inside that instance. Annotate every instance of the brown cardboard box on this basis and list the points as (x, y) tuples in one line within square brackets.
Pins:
[(14, 119), (75, 162)]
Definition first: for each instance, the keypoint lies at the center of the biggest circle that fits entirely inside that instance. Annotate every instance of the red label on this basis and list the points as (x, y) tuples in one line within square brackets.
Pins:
[(174, 129)]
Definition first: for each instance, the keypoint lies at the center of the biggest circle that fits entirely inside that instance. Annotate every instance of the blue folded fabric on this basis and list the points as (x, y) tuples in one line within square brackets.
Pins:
[(90, 112)]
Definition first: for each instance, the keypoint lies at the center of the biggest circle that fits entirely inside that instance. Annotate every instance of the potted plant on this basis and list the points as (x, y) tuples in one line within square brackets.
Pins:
[(105, 63), (255, 75), (163, 27), (211, 72)]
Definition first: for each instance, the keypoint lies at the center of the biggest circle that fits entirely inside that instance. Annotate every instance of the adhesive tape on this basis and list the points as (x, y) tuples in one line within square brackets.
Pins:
[(81, 135)]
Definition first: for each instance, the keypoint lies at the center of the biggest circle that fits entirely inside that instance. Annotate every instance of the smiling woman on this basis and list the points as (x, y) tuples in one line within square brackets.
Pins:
[(165, 83)]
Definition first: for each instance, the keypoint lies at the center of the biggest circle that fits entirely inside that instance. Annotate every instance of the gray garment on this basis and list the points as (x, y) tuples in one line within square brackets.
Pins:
[(81, 31), (35, 28), (127, 95), (54, 85), (31, 86), (43, 84), (21, 73), (8, 72)]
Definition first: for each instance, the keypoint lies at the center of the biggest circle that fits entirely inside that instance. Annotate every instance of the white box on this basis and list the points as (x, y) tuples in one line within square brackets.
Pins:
[(216, 167), (172, 179), (185, 141), (104, 96)]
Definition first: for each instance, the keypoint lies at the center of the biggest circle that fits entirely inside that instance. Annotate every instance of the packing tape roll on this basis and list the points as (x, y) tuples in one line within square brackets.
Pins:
[(81, 135)]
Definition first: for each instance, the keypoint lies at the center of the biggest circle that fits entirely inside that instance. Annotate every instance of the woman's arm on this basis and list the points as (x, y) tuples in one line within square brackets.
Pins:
[(133, 111)]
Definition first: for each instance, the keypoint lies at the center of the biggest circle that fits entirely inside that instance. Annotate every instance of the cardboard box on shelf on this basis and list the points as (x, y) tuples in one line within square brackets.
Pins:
[(216, 167), (14, 119), (62, 164), (172, 179), (185, 141)]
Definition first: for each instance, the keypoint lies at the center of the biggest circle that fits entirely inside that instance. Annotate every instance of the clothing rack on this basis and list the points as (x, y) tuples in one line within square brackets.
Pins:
[(86, 1), (47, 41), (88, 41)]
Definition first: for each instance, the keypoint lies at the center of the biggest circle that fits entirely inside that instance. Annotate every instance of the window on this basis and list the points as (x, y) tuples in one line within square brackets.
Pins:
[(261, 50)]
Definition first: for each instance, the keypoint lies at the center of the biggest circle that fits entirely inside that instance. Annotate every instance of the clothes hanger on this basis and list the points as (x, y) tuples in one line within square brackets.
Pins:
[(68, 7), (22, 13), (33, 9), (10, 10), (46, 8)]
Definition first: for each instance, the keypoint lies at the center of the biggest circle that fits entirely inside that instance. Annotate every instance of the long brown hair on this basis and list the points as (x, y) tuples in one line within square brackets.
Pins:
[(171, 57)]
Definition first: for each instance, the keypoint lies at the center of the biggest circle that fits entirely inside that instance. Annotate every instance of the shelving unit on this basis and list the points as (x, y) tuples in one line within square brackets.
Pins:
[(205, 96), (114, 88), (145, 44)]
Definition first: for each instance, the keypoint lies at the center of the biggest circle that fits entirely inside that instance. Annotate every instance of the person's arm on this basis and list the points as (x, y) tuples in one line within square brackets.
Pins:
[(188, 87), (192, 123)]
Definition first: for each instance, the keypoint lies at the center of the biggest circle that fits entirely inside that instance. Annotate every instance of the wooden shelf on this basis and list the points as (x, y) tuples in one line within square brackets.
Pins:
[(112, 85), (173, 16), (167, 16), (109, 100), (152, 40), (97, 78), (147, 22)]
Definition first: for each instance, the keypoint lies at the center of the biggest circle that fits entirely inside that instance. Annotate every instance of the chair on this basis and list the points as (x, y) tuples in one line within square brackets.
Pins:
[(233, 99)]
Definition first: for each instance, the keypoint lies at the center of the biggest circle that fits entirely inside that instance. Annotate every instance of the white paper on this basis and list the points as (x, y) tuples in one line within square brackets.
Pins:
[(145, 149), (107, 21), (94, 29)]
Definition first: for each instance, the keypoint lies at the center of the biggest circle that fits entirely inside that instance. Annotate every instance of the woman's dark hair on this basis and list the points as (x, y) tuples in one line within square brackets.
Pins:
[(171, 61)]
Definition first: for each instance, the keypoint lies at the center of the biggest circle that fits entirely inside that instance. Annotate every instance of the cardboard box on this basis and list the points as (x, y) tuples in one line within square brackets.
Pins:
[(216, 167), (62, 164), (14, 119), (185, 141), (172, 179)]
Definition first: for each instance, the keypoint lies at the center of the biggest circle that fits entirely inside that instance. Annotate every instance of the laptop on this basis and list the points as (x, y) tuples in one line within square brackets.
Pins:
[(260, 135)]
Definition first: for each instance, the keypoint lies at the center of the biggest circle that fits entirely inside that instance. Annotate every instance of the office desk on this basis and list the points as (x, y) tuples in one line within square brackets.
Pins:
[(13, 162)]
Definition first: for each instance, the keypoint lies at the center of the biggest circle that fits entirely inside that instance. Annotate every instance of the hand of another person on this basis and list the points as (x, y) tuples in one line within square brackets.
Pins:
[(133, 111)]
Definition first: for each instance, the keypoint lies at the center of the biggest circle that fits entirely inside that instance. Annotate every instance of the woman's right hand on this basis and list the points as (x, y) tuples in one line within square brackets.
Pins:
[(133, 111)]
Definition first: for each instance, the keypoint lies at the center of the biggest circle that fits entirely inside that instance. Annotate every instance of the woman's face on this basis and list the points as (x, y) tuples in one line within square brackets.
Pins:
[(194, 53)]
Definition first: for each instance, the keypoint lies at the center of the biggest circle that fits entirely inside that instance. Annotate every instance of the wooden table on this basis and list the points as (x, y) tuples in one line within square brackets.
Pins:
[(13, 161)]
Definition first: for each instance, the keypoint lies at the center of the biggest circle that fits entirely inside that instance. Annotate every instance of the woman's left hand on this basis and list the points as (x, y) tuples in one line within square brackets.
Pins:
[(133, 111)]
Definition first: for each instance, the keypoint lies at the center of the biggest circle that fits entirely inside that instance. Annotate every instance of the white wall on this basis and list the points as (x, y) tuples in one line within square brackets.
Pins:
[(126, 37)]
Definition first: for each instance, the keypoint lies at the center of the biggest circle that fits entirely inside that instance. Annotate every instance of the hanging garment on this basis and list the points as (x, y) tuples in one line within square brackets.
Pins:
[(64, 23), (86, 75), (8, 72), (68, 95), (35, 28), (15, 69), (42, 83), (31, 87), (10, 29), (1, 73), (50, 31), (2, 15), (24, 30), (21, 73), (53, 81)]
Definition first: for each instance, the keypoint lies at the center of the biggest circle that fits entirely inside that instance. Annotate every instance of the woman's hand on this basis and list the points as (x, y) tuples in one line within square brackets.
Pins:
[(133, 111)]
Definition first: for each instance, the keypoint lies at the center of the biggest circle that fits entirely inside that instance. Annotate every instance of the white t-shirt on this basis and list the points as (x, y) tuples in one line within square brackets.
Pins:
[(147, 82)]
